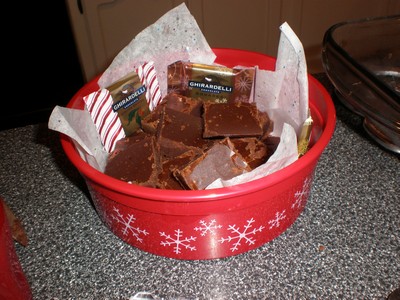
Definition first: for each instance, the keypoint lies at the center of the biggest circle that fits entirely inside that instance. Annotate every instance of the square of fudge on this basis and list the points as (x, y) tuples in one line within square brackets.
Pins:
[(183, 104), (179, 132), (166, 178), (135, 160), (219, 161), (253, 151), (233, 119)]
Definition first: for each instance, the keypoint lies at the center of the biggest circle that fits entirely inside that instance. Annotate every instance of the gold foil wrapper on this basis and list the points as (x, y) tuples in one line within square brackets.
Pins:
[(304, 138), (129, 101), (211, 82)]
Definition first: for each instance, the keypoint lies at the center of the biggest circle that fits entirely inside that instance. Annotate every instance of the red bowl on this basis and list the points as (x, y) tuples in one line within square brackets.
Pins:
[(208, 224)]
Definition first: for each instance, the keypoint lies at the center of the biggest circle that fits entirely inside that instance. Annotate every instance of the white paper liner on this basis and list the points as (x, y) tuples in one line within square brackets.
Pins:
[(78, 125), (176, 35), (294, 92)]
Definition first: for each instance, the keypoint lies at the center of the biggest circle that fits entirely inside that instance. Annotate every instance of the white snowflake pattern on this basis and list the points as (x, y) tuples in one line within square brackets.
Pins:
[(178, 241), (204, 228), (276, 222), (302, 195), (243, 84), (241, 235), (127, 224)]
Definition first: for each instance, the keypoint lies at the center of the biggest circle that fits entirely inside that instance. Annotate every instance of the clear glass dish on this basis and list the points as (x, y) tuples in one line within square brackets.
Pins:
[(362, 60)]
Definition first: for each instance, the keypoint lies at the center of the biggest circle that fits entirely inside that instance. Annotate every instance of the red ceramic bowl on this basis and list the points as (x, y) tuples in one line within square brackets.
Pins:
[(208, 224)]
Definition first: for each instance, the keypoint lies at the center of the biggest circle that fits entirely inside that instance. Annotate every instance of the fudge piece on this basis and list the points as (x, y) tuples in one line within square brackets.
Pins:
[(253, 151), (180, 132), (151, 122), (124, 143), (272, 143), (166, 179), (172, 101), (219, 161), (135, 160), (236, 119), (18, 232), (186, 143), (183, 104), (266, 123)]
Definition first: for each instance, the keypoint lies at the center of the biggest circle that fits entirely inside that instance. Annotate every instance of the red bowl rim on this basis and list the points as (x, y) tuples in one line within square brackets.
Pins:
[(310, 158)]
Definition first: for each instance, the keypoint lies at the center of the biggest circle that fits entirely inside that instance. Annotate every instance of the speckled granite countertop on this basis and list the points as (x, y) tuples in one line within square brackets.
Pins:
[(344, 245)]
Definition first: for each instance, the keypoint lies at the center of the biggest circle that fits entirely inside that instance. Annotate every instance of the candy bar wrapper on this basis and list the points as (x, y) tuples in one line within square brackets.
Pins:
[(211, 82), (117, 116), (305, 135)]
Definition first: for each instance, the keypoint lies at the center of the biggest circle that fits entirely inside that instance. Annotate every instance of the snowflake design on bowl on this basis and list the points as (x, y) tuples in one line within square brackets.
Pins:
[(239, 235), (210, 227), (276, 221), (178, 241), (127, 225), (301, 195)]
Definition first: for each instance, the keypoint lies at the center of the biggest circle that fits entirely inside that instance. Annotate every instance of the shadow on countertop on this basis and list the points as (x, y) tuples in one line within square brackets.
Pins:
[(51, 140)]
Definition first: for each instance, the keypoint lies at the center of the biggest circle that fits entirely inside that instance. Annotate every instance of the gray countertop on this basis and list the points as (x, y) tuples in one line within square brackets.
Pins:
[(344, 245)]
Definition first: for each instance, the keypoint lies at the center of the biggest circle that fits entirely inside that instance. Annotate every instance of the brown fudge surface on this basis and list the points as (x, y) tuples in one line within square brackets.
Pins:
[(231, 120), (166, 179), (253, 151), (170, 151), (217, 162), (135, 160), (179, 132), (150, 123), (183, 104)]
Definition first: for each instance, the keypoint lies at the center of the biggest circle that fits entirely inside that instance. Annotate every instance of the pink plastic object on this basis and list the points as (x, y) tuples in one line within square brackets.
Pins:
[(208, 224), (13, 283)]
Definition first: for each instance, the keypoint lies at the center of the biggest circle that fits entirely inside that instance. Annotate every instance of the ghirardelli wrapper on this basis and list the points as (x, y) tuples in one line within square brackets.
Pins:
[(118, 110), (211, 82), (129, 101)]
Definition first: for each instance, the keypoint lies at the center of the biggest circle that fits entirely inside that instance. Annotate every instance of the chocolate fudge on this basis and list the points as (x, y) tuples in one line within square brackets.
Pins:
[(219, 161), (233, 119), (135, 160), (253, 150), (180, 132), (187, 143)]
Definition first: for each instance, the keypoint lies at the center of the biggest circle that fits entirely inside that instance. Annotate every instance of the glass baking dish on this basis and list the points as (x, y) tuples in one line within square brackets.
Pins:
[(362, 60)]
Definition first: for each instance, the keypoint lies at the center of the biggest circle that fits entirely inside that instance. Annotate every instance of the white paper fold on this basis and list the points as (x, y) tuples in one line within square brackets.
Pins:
[(175, 35), (78, 125)]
